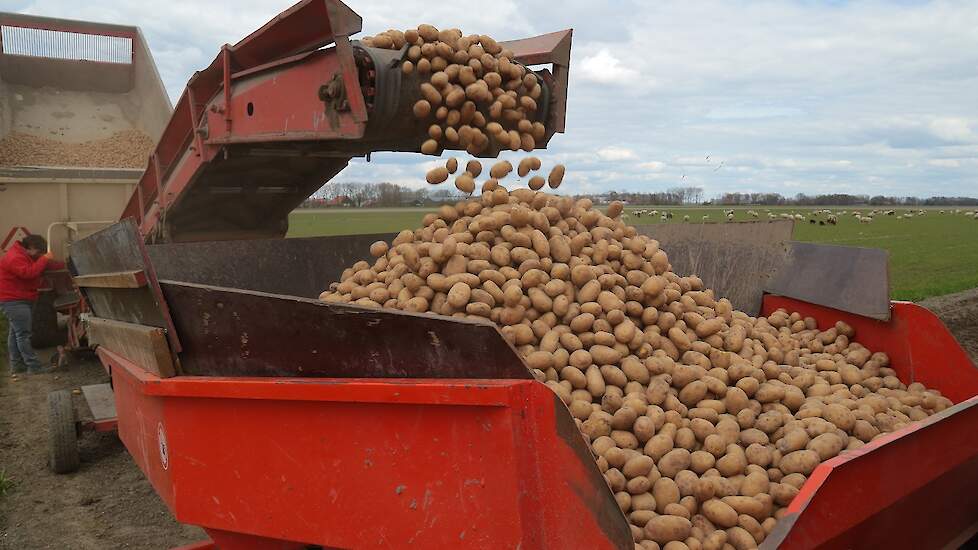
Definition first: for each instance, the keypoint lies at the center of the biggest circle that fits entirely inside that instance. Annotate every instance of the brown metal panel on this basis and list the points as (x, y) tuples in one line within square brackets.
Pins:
[(847, 278), (122, 279), (734, 259), (227, 332), (120, 248), (298, 267), (145, 346)]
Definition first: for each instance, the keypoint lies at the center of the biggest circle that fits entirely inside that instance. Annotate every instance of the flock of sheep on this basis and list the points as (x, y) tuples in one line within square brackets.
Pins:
[(822, 216)]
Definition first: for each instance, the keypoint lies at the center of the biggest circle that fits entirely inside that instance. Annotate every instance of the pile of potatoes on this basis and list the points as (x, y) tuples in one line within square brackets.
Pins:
[(474, 95), (705, 421)]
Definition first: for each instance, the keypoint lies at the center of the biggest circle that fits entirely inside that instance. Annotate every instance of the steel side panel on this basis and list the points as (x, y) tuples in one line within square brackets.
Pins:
[(455, 464), (847, 278)]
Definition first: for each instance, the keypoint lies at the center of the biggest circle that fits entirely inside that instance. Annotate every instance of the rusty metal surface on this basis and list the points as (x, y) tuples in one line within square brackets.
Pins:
[(553, 48), (247, 195), (116, 248), (847, 278), (301, 267), (227, 332), (593, 489), (734, 259)]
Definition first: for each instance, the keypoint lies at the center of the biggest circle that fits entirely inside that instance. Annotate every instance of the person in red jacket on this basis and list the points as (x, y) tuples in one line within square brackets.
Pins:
[(21, 268)]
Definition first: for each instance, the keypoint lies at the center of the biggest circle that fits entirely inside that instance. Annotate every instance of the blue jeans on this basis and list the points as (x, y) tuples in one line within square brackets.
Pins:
[(22, 356)]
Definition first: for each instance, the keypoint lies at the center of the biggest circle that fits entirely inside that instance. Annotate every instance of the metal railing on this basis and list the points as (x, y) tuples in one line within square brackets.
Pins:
[(57, 44)]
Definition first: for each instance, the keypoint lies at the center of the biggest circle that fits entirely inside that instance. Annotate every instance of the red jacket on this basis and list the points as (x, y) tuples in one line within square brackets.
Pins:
[(20, 275)]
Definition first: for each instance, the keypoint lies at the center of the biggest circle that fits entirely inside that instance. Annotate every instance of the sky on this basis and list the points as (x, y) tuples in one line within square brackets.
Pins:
[(789, 97)]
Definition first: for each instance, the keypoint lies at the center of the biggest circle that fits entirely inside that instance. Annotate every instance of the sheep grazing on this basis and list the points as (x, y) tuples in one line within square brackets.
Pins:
[(686, 218), (813, 222), (664, 218), (730, 217), (866, 219), (706, 217), (832, 220)]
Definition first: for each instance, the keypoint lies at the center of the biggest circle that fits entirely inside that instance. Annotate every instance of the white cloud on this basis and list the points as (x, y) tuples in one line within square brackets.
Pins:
[(953, 129), (604, 68), (652, 165), (868, 97), (613, 153)]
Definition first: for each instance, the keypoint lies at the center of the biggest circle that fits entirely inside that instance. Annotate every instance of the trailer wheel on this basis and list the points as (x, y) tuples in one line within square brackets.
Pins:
[(63, 442)]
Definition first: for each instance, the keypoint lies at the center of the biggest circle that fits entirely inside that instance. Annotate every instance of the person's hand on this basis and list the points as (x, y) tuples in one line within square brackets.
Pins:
[(49, 255)]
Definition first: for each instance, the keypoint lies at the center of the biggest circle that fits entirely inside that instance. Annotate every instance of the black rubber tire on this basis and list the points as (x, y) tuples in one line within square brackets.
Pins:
[(63, 433)]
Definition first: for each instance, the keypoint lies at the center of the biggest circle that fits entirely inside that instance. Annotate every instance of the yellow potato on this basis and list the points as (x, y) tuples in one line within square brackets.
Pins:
[(429, 147), (422, 108), (473, 167), (501, 169), (556, 176), (437, 175), (465, 183)]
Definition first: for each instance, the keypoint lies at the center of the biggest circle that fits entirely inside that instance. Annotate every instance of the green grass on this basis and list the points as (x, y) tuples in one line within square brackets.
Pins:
[(354, 221), (6, 484), (930, 255)]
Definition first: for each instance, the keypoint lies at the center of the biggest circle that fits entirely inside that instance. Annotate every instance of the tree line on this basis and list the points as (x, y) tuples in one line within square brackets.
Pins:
[(838, 199), (385, 194)]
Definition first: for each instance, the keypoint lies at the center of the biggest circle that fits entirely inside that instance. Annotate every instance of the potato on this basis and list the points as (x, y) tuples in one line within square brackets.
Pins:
[(430, 147), (799, 462), (437, 175), (378, 249), (422, 108), (673, 462), (719, 513), (663, 529), (556, 173), (465, 183), (501, 169)]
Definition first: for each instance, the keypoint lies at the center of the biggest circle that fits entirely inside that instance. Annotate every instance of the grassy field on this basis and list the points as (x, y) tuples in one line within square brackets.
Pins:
[(930, 255)]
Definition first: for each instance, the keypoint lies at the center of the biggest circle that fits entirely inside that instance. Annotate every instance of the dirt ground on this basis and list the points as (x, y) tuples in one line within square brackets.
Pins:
[(959, 312), (108, 503)]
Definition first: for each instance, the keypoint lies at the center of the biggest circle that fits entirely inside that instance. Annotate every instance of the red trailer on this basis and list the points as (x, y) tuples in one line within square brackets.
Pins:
[(275, 420), (378, 427)]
